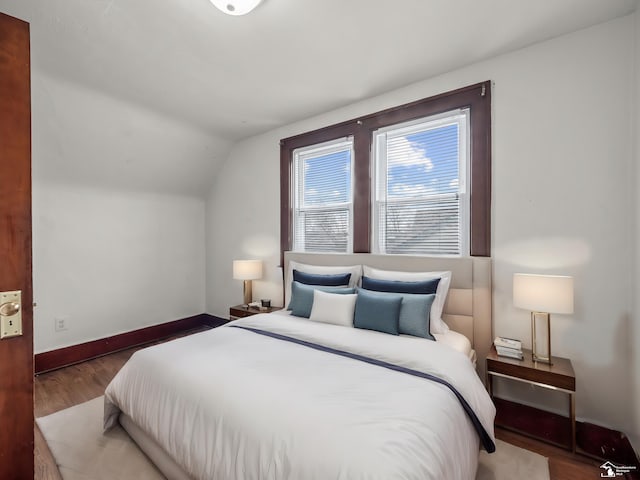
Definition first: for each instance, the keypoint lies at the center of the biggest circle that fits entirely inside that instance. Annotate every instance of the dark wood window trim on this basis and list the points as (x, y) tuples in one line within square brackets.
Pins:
[(475, 97)]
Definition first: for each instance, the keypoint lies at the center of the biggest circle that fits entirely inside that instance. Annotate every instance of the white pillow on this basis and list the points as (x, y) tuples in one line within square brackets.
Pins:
[(334, 308), (437, 324), (354, 270)]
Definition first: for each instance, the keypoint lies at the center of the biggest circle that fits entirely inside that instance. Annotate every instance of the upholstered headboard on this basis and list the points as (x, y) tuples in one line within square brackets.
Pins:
[(468, 306)]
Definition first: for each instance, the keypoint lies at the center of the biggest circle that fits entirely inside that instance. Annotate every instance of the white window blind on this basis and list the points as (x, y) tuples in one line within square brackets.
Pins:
[(420, 194), (323, 203)]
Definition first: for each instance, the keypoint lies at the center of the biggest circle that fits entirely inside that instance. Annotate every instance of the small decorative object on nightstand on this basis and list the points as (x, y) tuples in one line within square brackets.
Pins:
[(558, 376), (240, 311), (508, 347)]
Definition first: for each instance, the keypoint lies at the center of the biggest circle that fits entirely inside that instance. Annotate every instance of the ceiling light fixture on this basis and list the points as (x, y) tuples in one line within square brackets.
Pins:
[(236, 7)]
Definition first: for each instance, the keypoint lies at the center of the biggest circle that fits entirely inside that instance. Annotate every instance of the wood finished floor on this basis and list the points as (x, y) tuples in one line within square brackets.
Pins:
[(80, 383)]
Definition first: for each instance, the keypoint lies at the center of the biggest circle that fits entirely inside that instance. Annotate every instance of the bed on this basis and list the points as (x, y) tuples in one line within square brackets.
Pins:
[(467, 310), (278, 396)]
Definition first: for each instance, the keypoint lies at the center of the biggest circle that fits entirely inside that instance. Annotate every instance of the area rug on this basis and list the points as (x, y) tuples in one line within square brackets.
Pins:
[(83, 452)]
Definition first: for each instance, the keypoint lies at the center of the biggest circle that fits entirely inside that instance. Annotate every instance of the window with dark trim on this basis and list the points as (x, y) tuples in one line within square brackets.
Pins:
[(322, 200), (474, 100)]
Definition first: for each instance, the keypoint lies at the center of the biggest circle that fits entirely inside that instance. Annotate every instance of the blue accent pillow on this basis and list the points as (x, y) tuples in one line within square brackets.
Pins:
[(334, 280), (377, 312), (394, 286), (302, 297), (415, 313)]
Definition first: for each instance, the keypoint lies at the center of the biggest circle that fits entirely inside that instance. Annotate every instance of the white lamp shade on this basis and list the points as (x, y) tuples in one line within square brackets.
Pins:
[(236, 7), (247, 269), (543, 293)]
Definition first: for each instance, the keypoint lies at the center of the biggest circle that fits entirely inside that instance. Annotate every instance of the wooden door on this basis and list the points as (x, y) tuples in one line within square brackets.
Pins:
[(16, 353)]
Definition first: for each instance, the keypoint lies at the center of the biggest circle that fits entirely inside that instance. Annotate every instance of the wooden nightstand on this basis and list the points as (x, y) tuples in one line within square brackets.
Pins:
[(240, 311), (559, 376)]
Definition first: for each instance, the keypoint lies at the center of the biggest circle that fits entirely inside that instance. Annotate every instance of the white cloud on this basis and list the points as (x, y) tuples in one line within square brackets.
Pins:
[(411, 154), (454, 183), (311, 194)]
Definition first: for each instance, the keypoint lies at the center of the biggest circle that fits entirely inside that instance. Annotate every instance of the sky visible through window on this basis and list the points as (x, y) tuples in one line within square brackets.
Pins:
[(422, 163), (322, 183)]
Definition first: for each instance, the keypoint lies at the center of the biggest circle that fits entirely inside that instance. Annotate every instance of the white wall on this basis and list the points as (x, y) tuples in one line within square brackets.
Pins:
[(243, 222), (118, 226), (113, 261), (562, 185), (635, 438)]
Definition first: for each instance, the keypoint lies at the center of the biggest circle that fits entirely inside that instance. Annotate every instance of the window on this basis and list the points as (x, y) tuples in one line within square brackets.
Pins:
[(419, 180), (323, 207), (420, 176)]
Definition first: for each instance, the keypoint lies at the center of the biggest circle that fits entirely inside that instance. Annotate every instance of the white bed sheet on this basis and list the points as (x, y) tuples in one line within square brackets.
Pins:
[(455, 340), (452, 339), (233, 404)]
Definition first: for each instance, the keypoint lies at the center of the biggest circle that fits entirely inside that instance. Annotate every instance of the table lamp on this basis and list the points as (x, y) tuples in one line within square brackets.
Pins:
[(542, 295), (247, 270)]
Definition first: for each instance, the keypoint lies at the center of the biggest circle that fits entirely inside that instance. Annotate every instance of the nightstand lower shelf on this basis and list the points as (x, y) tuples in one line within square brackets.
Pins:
[(532, 422), (536, 423)]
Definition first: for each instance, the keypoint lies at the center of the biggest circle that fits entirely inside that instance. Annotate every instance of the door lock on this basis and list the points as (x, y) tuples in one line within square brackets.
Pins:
[(9, 308), (10, 314)]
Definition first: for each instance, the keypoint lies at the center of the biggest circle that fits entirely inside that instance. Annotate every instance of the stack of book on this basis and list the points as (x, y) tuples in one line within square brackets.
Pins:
[(508, 347)]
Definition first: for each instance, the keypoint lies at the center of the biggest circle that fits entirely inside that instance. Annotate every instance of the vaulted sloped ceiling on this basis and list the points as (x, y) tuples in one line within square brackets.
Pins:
[(232, 77)]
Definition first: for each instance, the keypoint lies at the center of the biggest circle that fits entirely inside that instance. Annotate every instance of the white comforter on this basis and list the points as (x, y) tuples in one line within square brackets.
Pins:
[(233, 404)]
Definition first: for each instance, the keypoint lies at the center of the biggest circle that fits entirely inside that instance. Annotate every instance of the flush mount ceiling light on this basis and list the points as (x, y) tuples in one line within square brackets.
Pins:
[(236, 7)]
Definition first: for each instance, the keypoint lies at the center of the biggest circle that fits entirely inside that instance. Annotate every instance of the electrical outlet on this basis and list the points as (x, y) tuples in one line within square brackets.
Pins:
[(60, 323)]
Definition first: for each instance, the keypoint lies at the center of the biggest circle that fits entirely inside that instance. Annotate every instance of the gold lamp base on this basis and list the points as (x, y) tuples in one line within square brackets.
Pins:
[(248, 293), (536, 354)]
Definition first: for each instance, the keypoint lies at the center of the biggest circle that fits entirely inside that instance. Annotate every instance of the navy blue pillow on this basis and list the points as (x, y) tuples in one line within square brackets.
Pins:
[(394, 286), (334, 280), (377, 312), (415, 313), (302, 297)]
